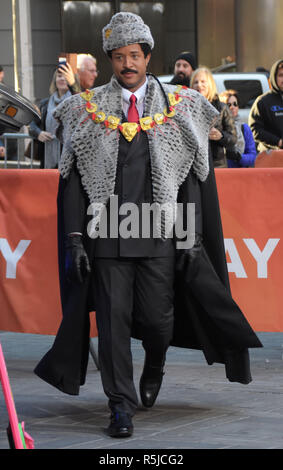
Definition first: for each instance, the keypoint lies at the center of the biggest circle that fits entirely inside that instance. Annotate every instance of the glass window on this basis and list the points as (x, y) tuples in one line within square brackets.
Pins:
[(248, 90)]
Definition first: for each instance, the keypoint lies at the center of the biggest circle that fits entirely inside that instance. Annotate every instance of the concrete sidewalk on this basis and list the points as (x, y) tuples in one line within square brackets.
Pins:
[(197, 407)]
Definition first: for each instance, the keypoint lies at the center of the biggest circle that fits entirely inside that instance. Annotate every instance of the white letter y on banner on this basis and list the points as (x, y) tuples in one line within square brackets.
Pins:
[(12, 257), (263, 256)]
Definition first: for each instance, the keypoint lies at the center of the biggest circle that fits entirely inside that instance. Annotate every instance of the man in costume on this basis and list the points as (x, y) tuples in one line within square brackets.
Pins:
[(134, 143)]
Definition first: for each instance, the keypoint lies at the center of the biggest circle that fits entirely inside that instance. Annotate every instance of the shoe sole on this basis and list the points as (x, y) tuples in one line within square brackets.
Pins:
[(120, 434)]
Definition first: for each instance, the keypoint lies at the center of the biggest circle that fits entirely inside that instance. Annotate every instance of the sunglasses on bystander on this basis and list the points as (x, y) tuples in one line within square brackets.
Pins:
[(235, 104)]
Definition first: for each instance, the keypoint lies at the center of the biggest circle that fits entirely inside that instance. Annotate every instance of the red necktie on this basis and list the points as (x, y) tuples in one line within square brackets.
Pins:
[(133, 115)]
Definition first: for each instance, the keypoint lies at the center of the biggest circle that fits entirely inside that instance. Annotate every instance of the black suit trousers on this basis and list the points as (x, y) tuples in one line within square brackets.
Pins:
[(131, 290)]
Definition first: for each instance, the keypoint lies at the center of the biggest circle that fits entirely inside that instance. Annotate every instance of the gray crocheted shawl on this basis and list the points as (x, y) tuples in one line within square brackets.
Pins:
[(175, 147)]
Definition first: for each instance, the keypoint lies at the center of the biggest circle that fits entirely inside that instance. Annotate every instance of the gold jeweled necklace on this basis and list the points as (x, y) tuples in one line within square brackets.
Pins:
[(130, 129)]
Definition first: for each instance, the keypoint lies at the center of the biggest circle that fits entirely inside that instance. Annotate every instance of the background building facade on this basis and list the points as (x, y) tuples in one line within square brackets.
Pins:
[(33, 34)]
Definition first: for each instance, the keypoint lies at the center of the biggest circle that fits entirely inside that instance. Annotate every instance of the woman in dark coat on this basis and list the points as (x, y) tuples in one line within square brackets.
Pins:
[(223, 135), (244, 153)]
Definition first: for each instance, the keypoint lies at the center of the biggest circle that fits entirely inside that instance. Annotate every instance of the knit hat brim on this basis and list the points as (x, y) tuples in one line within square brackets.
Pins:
[(188, 57), (124, 29)]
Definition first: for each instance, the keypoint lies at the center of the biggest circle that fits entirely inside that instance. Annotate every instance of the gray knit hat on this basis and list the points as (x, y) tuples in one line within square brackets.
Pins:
[(124, 29)]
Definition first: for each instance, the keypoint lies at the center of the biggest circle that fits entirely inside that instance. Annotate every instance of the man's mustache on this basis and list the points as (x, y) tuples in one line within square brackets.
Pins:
[(126, 70)]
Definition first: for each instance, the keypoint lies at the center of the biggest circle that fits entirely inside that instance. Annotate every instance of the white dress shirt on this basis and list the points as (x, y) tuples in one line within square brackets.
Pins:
[(139, 94)]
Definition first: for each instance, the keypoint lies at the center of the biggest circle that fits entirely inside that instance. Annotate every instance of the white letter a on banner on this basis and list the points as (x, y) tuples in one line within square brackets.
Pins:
[(236, 265)]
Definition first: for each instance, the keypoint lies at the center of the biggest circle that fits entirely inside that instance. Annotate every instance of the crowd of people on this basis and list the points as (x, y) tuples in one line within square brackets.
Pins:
[(234, 144), (64, 83)]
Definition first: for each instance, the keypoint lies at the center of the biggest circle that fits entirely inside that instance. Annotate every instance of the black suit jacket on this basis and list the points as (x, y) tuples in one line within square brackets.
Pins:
[(133, 185)]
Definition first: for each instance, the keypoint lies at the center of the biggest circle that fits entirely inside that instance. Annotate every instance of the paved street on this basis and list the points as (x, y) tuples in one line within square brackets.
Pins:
[(197, 407)]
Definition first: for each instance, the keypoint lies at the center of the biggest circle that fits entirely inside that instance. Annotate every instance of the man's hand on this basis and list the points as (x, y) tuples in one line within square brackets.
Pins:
[(187, 261), (45, 136), (77, 263)]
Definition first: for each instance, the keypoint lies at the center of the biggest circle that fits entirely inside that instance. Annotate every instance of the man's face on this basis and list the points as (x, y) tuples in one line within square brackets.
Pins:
[(87, 73), (129, 65), (183, 69), (279, 78), (1, 75)]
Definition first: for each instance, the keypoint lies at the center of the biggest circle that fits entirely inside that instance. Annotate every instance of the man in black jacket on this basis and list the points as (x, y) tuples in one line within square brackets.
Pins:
[(266, 116), (128, 145), (184, 66)]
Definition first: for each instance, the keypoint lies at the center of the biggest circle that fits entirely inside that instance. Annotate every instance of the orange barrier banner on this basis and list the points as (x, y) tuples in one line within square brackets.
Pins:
[(251, 208), (251, 202), (29, 288)]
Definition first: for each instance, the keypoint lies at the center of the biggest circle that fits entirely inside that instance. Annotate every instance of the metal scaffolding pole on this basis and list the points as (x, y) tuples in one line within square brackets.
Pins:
[(22, 45)]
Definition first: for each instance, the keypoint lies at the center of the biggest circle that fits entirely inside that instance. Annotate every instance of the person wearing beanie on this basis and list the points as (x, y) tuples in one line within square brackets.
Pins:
[(266, 115), (135, 162), (184, 66)]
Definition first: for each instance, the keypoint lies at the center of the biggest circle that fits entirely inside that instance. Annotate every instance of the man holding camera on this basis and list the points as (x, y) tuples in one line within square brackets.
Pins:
[(86, 73)]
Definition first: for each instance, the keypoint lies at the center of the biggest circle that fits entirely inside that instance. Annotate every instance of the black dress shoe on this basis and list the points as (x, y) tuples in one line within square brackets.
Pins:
[(150, 384), (120, 425)]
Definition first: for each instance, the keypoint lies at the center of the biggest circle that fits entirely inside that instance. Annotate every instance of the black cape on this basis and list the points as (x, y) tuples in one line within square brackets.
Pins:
[(206, 316)]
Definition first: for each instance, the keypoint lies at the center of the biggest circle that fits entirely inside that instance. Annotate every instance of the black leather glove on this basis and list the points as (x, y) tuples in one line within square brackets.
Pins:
[(187, 261), (234, 155), (77, 263)]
